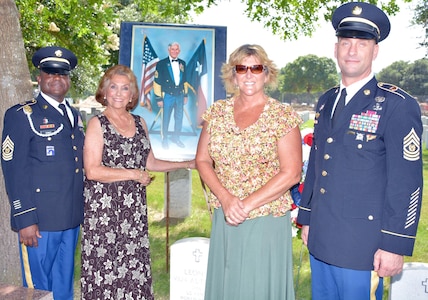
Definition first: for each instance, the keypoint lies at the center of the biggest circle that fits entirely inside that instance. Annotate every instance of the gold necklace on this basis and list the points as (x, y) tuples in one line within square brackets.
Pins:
[(120, 129)]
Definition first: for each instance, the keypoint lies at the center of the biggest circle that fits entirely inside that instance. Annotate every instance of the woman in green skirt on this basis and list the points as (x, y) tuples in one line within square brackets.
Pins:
[(250, 155)]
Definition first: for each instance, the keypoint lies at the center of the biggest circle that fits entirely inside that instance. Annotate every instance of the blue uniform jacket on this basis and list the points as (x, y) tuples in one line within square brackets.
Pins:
[(164, 79), (42, 162), (363, 187)]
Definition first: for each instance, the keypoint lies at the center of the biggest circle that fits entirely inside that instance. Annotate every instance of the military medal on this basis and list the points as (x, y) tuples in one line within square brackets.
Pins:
[(367, 121)]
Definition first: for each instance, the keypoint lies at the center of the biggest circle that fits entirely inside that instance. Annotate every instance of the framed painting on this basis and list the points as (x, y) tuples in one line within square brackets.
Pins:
[(173, 113)]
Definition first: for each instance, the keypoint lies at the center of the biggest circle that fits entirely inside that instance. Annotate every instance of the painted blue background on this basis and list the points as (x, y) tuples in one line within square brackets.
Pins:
[(189, 37)]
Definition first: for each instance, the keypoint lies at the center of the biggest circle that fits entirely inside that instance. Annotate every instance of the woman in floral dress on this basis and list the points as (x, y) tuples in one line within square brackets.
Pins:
[(250, 155), (117, 156)]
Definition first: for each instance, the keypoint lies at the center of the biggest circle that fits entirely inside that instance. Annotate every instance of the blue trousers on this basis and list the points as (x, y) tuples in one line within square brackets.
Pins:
[(171, 103), (333, 283), (50, 266)]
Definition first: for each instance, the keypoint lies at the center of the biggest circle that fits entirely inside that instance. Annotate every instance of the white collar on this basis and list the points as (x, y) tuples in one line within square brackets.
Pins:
[(55, 103), (352, 89)]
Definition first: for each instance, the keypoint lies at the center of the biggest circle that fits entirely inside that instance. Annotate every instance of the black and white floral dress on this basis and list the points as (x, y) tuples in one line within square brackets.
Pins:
[(115, 239)]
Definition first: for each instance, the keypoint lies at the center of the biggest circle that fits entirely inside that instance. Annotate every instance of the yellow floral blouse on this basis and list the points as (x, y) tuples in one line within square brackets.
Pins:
[(246, 159)]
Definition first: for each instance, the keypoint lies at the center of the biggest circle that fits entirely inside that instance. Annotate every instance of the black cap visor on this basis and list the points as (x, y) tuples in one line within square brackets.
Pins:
[(357, 30), (55, 67)]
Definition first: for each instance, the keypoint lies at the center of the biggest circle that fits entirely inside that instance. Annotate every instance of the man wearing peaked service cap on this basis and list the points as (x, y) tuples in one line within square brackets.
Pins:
[(54, 60), (42, 151), (361, 20), (359, 215)]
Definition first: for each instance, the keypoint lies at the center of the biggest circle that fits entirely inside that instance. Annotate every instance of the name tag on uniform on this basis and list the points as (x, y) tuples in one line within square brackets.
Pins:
[(50, 150)]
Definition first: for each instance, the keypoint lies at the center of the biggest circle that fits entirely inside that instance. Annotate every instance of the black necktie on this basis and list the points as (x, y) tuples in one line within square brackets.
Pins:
[(64, 110), (339, 106)]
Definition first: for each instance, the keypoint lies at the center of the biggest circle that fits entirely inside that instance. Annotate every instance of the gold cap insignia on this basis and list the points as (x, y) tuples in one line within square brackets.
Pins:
[(357, 10)]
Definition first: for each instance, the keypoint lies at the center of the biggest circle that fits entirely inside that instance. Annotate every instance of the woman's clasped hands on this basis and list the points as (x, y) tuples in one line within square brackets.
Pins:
[(234, 211)]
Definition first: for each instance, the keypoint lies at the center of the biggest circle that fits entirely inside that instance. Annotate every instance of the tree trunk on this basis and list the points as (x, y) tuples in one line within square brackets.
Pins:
[(15, 86)]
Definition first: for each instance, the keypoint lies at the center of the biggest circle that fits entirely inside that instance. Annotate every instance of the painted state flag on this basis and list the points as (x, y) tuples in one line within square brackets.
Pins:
[(150, 59), (197, 79)]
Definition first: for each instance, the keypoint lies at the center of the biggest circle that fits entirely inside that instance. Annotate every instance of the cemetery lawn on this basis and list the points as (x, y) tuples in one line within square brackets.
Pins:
[(198, 224)]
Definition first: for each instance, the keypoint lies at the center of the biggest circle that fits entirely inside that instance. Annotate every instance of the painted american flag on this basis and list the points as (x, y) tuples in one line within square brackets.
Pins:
[(150, 59)]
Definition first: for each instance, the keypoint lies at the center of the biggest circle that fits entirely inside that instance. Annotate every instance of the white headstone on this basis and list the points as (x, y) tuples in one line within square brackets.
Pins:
[(412, 283), (180, 193), (189, 260)]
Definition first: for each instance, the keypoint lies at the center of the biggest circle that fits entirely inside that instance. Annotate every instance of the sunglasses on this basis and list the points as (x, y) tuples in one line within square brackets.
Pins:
[(255, 69)]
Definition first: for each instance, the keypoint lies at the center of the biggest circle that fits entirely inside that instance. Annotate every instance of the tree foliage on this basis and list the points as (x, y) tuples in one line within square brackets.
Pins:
[(412, 77), (394, 73), (90, 28), (291, 19), (421, 18), (308, 74)]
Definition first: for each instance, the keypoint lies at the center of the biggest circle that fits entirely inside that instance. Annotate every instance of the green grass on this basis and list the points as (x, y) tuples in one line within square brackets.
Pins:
[(198, 224)]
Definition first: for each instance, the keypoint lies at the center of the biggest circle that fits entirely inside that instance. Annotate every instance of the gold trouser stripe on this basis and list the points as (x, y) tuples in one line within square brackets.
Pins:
[(374, 285), (26, 263)]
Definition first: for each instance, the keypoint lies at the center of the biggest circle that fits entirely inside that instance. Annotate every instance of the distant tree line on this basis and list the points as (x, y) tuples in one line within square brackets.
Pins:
[(305, 79)]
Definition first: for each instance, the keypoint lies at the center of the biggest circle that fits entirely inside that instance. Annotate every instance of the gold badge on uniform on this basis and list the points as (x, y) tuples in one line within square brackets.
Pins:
[(370, 137), (28, 109)]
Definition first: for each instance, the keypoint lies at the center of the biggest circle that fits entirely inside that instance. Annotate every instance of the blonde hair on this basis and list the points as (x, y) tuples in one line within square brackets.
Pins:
[(236, 58)]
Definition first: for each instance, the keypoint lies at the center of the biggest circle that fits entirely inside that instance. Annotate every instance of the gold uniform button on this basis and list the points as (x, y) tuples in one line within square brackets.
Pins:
[(37, 190), (322, 190), (49, 139), (324, 173), (330, 140), (74, 147), (370, 217), (76, 159), (77, 171), (360, 146), (326, 156), (72, 136)]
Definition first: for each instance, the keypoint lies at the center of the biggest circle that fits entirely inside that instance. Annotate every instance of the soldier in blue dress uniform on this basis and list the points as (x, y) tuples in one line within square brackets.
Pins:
[(42, 151), (362, 196), (170, 88)]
